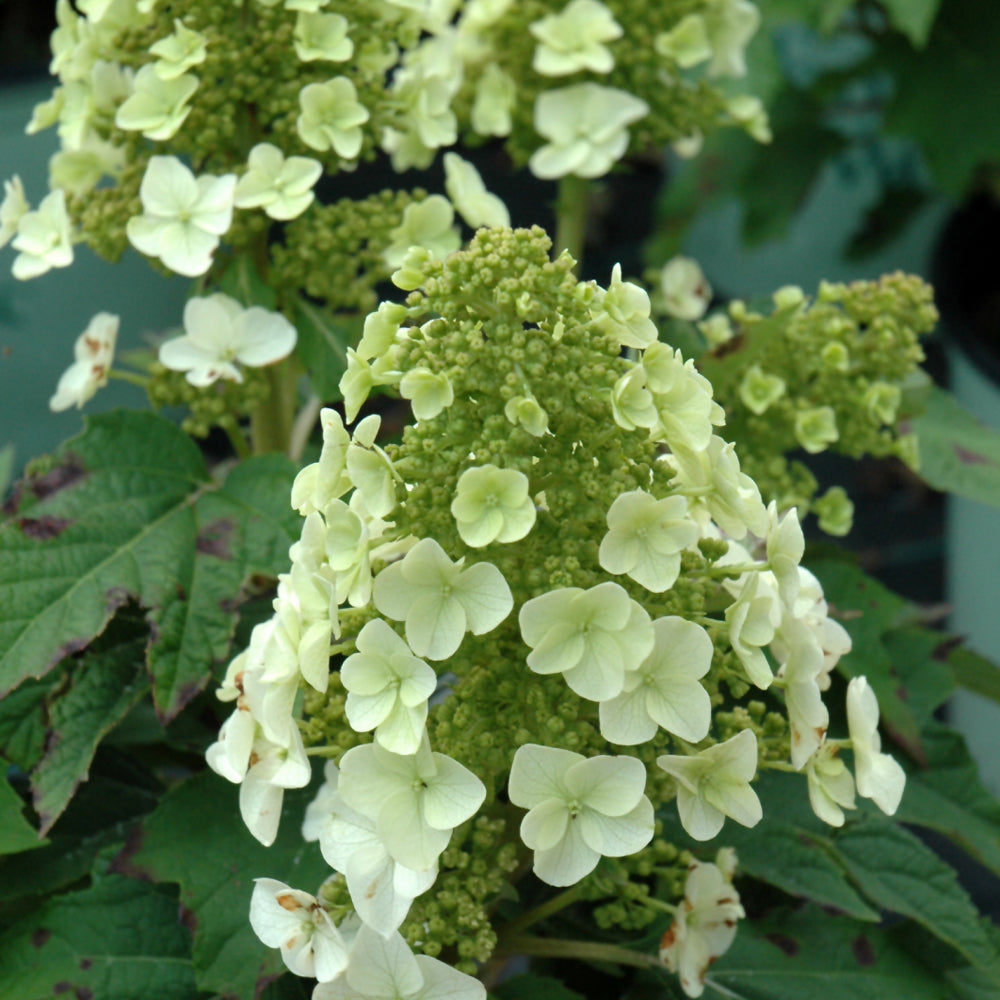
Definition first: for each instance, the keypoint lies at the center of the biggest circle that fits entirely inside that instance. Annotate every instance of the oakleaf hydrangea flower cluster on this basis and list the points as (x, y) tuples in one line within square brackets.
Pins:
[(187, 130), (519, 634)]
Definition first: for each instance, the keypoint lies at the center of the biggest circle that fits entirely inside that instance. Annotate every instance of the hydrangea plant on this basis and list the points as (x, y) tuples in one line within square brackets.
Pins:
[(519, 659)]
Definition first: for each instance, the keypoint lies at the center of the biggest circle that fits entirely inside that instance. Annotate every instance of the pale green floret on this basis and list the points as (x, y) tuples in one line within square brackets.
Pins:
[(322, 36), (592, 637), (496, 96), (178, 52), (13, 207), (573, 39), (788, 296), (439, 600), (283, 188), (759, 390), (879, 776), (43, 239), (882, 401), (835, 511), (410, 273), (836, 356), (469, 195), (682, 396), (380, 330), (429, 392), (664, 691), (388, 688), (730, 25), (332, 117), (749, 112), (714, 784), (157, 107), (816, 428), (831, 785), (526, 412), (416, 801), (579, 809), (686, 43), (492, 505), (784, 548), (623, 312), (684, 291), (428, 224), (632, 403), (586, 126), (752, 619), (645, 538), (361, 377), (78, 171)]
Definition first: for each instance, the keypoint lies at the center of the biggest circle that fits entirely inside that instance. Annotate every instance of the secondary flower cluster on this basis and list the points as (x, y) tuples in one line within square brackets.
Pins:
[(533, 605)]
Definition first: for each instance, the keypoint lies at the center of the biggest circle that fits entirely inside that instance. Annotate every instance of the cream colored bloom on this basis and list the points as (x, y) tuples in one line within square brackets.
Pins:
[(586, 126), (183, 216), (43, 238), (332, 117), (714, 784), (93, 350), (322, 36), (573, 39), (469, 195), (492, 505), (219, 332), (158, 106), (282, 187)]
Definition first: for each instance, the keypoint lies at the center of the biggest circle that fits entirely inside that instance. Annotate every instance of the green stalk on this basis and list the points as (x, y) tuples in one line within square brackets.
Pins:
[(571, 215), (546, 909), (587, 951), (272, 419)]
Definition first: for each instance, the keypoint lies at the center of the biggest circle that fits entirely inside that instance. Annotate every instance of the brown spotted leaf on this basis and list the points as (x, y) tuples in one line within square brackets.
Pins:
[(127, 512), (810, 953), (957, 454), (216, 880), (118, 940)]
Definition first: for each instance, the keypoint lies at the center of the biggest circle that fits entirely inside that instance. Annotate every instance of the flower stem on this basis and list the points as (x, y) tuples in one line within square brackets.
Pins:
[(272, 418), (546, 909), (571, 215), (236, 438), (589, 951), (133, 378)]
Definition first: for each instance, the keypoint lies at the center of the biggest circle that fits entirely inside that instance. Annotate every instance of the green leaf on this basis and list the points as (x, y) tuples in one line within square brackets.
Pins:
[(974, 672), (16, 833), (127, 512), (868, 611), (947, 95), (899, 873), (914, 18), (216, 879), (242, 282), (958, 454), (529, 986), (22, 724), (108, 680), (118, 940), (322, 347), (919, 659), (809, 953), (947, 796)]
